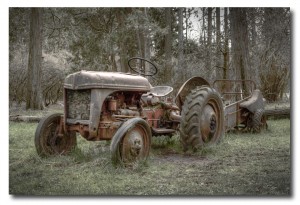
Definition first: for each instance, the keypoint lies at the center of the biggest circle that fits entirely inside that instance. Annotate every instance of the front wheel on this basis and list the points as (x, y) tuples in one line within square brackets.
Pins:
[(48, 141), (131, 143), (202, 119)]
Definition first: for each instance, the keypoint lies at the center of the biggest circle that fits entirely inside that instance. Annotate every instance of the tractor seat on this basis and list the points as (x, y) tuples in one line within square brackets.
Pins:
[(160, 91)]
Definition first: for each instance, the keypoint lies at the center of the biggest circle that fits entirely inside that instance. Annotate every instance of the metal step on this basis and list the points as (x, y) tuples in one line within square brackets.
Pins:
[(162, 130)]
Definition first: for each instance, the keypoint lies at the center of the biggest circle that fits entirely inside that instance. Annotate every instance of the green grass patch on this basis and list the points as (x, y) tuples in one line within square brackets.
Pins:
[(241, 164)]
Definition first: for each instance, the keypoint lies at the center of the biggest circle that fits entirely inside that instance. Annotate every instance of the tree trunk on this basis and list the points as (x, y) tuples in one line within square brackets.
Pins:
[(139, 42), (123, 57), (34, 92), (226, 49), (113, 62), (253, 27), (180, 46), (168, 46), (141, 36), (209, 38), (186, 23), (121, 15), (203, 27), (239, 40), (146, 40), (218, 41)]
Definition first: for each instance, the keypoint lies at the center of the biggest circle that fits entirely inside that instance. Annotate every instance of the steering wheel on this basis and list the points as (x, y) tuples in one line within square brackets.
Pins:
[(140, 68)]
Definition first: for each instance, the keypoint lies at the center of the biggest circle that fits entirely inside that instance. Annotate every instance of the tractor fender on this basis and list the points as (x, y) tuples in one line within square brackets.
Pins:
[(187, 87), (255, 102)]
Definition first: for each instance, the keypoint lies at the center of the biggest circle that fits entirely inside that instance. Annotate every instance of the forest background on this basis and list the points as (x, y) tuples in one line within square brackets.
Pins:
[(46, 44)]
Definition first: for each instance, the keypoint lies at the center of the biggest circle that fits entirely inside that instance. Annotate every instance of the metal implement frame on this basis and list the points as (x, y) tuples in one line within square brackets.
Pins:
[(227, 84), (233, 111)]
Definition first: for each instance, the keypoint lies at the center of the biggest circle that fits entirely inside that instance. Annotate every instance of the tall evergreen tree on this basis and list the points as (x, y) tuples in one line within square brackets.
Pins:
[(34, 92)]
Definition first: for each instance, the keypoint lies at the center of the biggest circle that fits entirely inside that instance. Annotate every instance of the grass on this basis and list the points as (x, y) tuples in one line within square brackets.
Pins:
[(240, 165)]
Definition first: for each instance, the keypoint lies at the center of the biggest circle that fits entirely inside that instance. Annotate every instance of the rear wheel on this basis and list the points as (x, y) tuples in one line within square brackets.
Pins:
[(47, 139), (131, 143), (259, 121), (202, 119)]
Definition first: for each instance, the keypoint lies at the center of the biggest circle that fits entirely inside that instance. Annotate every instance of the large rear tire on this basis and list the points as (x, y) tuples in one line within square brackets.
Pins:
[(202, 119), (47, 139)]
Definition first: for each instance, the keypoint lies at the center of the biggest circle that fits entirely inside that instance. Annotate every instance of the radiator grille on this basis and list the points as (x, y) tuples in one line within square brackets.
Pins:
[(78, 104)]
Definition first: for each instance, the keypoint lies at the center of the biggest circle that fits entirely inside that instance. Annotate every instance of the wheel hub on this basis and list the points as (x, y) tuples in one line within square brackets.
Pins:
[(132, 145), (213, 124), (135, 147), (208, 124)]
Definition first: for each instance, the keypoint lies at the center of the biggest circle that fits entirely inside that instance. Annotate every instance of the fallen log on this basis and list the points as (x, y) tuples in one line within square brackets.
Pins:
[(22, 118), (278, 113)]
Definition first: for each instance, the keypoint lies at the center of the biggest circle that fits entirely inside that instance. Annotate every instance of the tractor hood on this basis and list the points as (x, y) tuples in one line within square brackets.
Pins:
[(106, 80)]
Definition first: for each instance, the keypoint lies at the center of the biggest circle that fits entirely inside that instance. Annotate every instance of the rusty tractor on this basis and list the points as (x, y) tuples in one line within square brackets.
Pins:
[(127, 110)]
